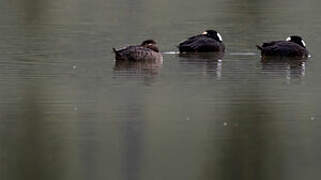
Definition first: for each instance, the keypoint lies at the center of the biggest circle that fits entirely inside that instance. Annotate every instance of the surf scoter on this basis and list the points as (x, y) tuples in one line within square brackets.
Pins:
[(293, 46), (208, 41)]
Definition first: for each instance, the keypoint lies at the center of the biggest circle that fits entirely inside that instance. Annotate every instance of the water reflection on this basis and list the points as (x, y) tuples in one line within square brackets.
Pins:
[(133, 133), (129, 70), (137, 67), (28, 148), (287, 68), (210, 63), (242, 151), (185, 124), (205, 57)]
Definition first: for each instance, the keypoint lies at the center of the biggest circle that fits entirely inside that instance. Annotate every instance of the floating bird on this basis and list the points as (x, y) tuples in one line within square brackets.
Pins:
[(146, 51), (293, 46), (208, 41)]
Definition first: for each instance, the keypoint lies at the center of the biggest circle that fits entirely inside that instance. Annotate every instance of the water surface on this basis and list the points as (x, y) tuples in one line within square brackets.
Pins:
[(68, 112)]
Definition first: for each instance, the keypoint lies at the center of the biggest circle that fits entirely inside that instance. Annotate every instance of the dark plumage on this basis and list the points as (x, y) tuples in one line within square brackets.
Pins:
[(208, 41), (294, 46), (147, 51)]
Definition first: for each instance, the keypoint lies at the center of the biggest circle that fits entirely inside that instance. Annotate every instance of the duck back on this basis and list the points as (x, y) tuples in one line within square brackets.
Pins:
[(137, 53), (283, 48), (201, 43)]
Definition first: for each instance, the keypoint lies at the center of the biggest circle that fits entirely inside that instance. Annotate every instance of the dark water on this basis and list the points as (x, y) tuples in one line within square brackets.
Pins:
[(66, 111)]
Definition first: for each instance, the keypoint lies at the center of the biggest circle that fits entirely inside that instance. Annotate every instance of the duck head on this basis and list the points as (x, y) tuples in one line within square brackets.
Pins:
[(213, 34), (296, 39), (151, 44)]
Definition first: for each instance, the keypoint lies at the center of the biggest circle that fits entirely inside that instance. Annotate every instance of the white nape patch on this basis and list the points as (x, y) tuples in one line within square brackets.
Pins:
[(219, 37), (303, 43), (204, 33), (122, 48), (243, 54), (288, 39), (171, 52)]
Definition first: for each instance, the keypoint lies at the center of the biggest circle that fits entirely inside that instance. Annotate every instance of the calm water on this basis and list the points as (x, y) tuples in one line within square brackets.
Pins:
[(67, 112)]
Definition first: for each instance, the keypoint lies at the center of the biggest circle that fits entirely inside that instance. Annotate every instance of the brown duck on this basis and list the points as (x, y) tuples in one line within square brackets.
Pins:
[(146, 51)]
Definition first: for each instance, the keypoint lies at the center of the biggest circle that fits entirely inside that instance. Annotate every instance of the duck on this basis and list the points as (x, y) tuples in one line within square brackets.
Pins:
[(147, 51), (208, 41), (292, 47)]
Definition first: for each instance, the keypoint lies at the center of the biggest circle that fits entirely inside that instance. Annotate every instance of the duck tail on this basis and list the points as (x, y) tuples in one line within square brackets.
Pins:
[(117, 54), (115, 51), (259, 47)]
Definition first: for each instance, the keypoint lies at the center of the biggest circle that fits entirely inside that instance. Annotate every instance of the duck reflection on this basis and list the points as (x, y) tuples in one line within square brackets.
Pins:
[(210, 62), (202, 57), (282, 59), (291, 68), (142, 69)]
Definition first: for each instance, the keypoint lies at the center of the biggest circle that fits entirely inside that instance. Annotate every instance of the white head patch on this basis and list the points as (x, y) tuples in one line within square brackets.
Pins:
[(219, 37), (303, 43), (288, 39), (204, 33)]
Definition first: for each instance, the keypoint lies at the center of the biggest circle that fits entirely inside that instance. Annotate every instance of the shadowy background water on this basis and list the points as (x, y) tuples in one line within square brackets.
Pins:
[(67, 113)]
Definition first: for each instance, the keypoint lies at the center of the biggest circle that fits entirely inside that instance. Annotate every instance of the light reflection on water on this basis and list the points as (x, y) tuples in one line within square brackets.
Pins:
[(68, 111)]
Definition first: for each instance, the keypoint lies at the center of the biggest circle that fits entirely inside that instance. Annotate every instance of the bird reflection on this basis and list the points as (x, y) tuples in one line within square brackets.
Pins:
[(211, 62), (146, 70), (141, 67), (205, 57), (291, 68)]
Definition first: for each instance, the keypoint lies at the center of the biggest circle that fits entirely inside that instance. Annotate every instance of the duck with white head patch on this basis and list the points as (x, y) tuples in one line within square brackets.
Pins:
[(293, 46), (208, 41)]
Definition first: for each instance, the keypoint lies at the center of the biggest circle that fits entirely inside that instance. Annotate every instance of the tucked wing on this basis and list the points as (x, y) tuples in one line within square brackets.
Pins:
[(266, 44), (137, 53), (199, 43), (283, 48)]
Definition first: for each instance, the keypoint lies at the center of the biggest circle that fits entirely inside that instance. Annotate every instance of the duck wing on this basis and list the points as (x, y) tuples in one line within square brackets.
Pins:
[(199, 43), (136, 53), (266, 44), (283, 48)]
